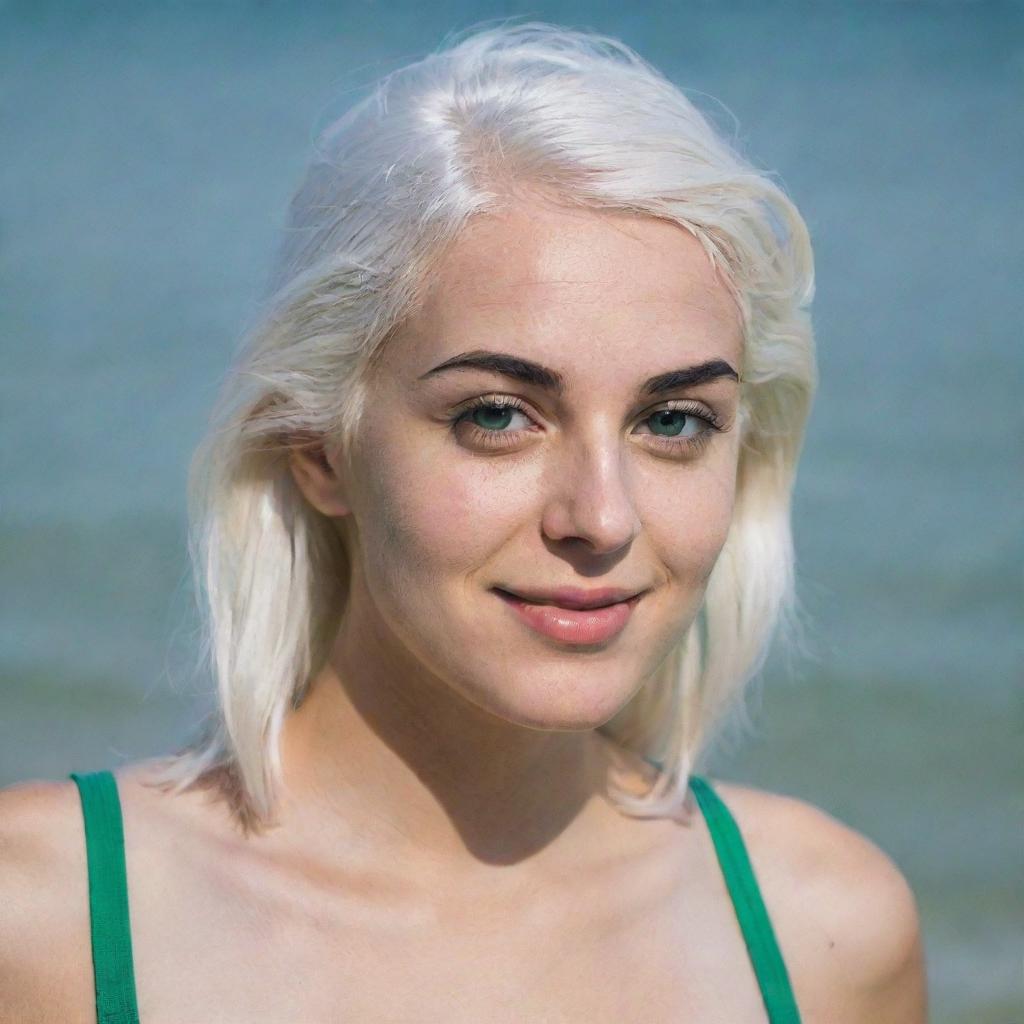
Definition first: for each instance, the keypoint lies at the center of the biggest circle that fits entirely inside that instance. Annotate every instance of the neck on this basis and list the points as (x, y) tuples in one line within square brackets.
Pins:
[(385, 755)]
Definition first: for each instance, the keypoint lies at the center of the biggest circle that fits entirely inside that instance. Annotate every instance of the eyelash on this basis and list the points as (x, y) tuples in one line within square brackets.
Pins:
[(497, 439)]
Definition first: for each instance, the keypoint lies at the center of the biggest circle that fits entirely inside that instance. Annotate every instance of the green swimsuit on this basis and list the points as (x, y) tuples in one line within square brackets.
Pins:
[(113, 970)]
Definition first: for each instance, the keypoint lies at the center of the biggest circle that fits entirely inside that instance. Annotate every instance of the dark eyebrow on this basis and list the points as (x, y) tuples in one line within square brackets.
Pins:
[(529, 372)]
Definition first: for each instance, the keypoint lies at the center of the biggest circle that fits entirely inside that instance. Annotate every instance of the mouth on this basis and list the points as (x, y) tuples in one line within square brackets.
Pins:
[(574, 597), (572, 625)]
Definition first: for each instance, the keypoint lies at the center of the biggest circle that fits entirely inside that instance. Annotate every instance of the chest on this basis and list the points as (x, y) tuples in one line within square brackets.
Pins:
[(665, 953)]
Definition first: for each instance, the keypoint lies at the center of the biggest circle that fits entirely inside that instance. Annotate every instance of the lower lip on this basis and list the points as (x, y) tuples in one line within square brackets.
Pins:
[(573, 625)]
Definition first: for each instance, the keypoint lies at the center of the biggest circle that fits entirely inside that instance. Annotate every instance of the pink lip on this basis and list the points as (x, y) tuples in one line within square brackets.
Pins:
[(571, 625)]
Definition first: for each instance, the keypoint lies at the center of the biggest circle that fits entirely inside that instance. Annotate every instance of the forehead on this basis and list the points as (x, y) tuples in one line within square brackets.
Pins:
[(568, 285)]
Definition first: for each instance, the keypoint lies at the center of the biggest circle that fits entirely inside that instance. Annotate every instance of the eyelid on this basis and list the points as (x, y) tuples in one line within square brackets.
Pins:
[(689, 405), (707, 412), (495, 397)]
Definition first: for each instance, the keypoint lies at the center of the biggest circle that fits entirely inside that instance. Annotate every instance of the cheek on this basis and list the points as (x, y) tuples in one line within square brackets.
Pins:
[(688, 521), (429, 517)]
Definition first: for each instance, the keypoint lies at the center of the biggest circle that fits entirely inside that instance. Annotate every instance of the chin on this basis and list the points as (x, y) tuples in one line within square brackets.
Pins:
[(576, 700)]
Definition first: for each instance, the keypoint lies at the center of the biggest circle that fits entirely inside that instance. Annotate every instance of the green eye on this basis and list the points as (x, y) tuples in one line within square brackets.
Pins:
[(491, 417), (488, 418), (673, 420)]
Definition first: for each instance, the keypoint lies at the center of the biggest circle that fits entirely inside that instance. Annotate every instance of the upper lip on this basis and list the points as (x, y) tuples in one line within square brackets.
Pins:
[(573, 597)]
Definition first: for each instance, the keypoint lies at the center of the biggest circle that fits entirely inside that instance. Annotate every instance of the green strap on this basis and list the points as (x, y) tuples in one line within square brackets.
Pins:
[(113, 970), (757, 930)]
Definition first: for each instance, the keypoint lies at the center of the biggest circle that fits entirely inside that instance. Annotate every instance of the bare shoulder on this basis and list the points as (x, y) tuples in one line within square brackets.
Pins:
[(845, 916), (45, 940), (45, 961)]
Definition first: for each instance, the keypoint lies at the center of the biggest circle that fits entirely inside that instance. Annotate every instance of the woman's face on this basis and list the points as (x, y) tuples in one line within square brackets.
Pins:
[(569, 469)]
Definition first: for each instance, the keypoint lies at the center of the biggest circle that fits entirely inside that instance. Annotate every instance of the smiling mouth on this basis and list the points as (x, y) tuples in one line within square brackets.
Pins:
[(574, 626), (577, 602), (544, 602)]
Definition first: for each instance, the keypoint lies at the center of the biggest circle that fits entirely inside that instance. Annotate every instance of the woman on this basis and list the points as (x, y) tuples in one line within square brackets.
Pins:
[(493, 524)]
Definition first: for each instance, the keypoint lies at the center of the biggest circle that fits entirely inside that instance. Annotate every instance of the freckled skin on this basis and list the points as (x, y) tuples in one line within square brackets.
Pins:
[(607, 300)]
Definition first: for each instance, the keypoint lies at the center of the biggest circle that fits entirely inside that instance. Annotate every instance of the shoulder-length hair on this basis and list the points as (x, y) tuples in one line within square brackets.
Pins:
[(582, 117)]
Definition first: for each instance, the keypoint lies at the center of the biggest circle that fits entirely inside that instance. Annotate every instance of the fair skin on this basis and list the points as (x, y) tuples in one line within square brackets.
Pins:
[(446, 848)]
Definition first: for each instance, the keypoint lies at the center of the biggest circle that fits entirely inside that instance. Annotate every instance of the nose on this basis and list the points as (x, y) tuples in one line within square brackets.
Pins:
[(592, 499)]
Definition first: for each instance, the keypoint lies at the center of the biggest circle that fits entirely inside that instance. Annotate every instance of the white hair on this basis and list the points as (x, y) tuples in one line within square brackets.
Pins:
[(391, 183)]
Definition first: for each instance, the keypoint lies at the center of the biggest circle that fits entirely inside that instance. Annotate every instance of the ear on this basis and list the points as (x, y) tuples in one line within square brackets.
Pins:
[(318, 479)]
